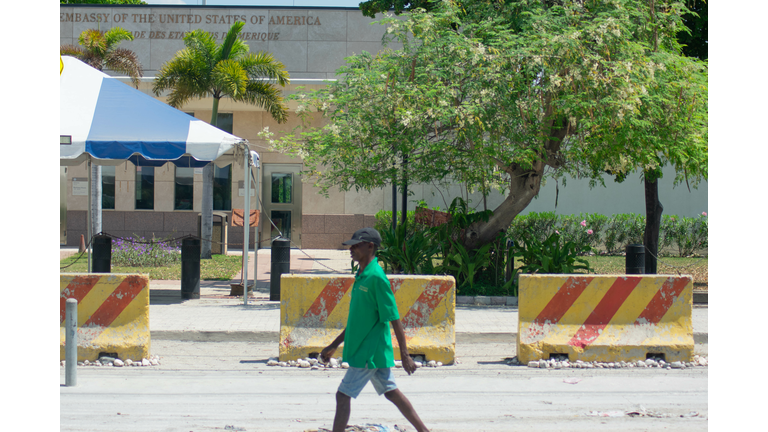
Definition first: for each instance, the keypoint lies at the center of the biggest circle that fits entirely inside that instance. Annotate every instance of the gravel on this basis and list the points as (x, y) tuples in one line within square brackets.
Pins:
[(558, 363)]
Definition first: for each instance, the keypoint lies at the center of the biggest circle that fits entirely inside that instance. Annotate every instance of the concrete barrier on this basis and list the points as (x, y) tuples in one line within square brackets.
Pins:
[(112, 314), (605, 317), (314, 310)]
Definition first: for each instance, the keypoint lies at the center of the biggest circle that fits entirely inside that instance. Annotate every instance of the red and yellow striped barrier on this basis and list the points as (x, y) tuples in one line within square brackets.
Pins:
[(112, 314), (314, 310), (605, 317)]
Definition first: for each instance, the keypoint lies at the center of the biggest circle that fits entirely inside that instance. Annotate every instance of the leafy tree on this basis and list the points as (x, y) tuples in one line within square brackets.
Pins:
[(538, 89), (205, 68), (100, 50)]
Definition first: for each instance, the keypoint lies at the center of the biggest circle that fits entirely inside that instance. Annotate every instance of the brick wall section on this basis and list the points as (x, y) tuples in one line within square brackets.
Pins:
[(318, 231), (329, 231), (146, 224)]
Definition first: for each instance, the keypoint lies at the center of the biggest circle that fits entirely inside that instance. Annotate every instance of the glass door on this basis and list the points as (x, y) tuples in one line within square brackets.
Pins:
[(282, 202)]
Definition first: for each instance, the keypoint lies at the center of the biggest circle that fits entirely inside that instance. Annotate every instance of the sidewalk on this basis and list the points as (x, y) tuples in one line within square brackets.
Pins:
[(217, 316)]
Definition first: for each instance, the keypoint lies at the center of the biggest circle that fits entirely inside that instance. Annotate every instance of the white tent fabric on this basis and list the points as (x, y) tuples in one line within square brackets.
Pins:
[(109, 122), (113, 122)]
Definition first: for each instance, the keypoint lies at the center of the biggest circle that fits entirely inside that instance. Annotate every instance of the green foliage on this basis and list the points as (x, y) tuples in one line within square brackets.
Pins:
[(384, 221), (687, 234), (550, 256), (464, 265), (407, 253), (100, 50), (498, 95), (623, 230), (204, 68)]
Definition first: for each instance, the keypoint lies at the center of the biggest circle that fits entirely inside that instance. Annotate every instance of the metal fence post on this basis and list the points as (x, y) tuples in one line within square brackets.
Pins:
[(70, 341)]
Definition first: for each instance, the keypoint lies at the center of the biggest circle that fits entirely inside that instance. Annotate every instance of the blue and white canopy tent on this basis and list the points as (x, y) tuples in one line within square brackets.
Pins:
[(107, 122)]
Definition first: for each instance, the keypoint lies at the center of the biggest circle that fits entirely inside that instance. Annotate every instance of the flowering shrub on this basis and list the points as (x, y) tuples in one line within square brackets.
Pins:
[(143, 253), (614, 233)]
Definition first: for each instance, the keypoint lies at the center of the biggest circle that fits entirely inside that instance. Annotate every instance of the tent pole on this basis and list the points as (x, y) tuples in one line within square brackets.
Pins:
[(88, 218), (257, 164), (246, 220)]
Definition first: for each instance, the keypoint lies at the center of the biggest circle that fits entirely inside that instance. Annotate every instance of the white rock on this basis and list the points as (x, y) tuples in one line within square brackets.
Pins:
[(145, 362), (314, 368), (398, 364), (335, 363), (677, 365), (129, 362), (96, 363), (304, 364), (566, 364), (543, 364), (344, 365), (271, 363), (418, 364), (432, 363), (439, 364), (118, 363), (313, 361), (154, 362), (533, 364), (662, 363), (650, 362), (703, 361), (640, 363)]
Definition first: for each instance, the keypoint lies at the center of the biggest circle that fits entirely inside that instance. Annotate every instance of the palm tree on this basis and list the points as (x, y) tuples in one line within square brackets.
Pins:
[(100, 50), (204, 69)]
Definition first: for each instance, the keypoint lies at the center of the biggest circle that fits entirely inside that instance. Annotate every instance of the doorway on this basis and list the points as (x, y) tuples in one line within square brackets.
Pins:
[(282, 202)]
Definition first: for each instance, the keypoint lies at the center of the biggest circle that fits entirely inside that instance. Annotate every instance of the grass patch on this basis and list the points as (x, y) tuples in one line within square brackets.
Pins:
[(696, 267), (220, 267)]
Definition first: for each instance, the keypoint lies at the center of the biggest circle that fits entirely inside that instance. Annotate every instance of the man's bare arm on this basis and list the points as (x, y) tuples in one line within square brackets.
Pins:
[(327, 352)]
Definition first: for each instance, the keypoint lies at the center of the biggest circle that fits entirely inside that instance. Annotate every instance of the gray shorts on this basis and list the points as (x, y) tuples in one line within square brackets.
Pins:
[(356, 378)]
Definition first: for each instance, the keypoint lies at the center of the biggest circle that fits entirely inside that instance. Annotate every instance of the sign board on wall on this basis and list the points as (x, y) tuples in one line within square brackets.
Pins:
[(79, 186)]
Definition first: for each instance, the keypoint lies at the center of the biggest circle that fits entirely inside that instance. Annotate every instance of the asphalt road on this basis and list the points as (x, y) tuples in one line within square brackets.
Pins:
[(209, 386)]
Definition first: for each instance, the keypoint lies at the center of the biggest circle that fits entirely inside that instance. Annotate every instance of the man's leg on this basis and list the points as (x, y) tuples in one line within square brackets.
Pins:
[(404, 405), (342, 412)]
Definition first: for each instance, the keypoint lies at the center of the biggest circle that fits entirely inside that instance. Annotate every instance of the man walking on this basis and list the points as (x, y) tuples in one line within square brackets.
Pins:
[(367, 340)]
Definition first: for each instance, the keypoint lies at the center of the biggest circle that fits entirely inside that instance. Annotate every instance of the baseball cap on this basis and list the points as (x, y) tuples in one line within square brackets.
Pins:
[(364, 235)]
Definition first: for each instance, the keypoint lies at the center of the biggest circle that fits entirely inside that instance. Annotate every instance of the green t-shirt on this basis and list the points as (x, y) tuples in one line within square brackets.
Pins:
[(368, 341)]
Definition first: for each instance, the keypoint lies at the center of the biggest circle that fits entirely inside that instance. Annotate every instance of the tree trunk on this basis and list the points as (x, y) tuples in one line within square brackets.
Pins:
[(653, 210), (524, 186), (206, 222), (206, 219)]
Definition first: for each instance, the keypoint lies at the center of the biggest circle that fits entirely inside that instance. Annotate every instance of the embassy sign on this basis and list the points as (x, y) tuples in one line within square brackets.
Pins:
[(192, 18)]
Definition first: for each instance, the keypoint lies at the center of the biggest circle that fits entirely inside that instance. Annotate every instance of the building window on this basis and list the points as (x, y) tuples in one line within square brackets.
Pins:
[(224, 122), (184, 188), (108, 187), (222, 188), (282, 188), (145, 188)]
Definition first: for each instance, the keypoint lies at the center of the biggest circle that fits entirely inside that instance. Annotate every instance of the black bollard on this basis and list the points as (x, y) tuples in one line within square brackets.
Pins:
[(281, 264), (635, 259), (190, 268), (102, 254)]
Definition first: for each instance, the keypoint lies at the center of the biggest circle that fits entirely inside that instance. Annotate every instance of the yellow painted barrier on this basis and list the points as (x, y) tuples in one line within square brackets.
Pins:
[(112, 314), (314, 310), (605, 318)]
